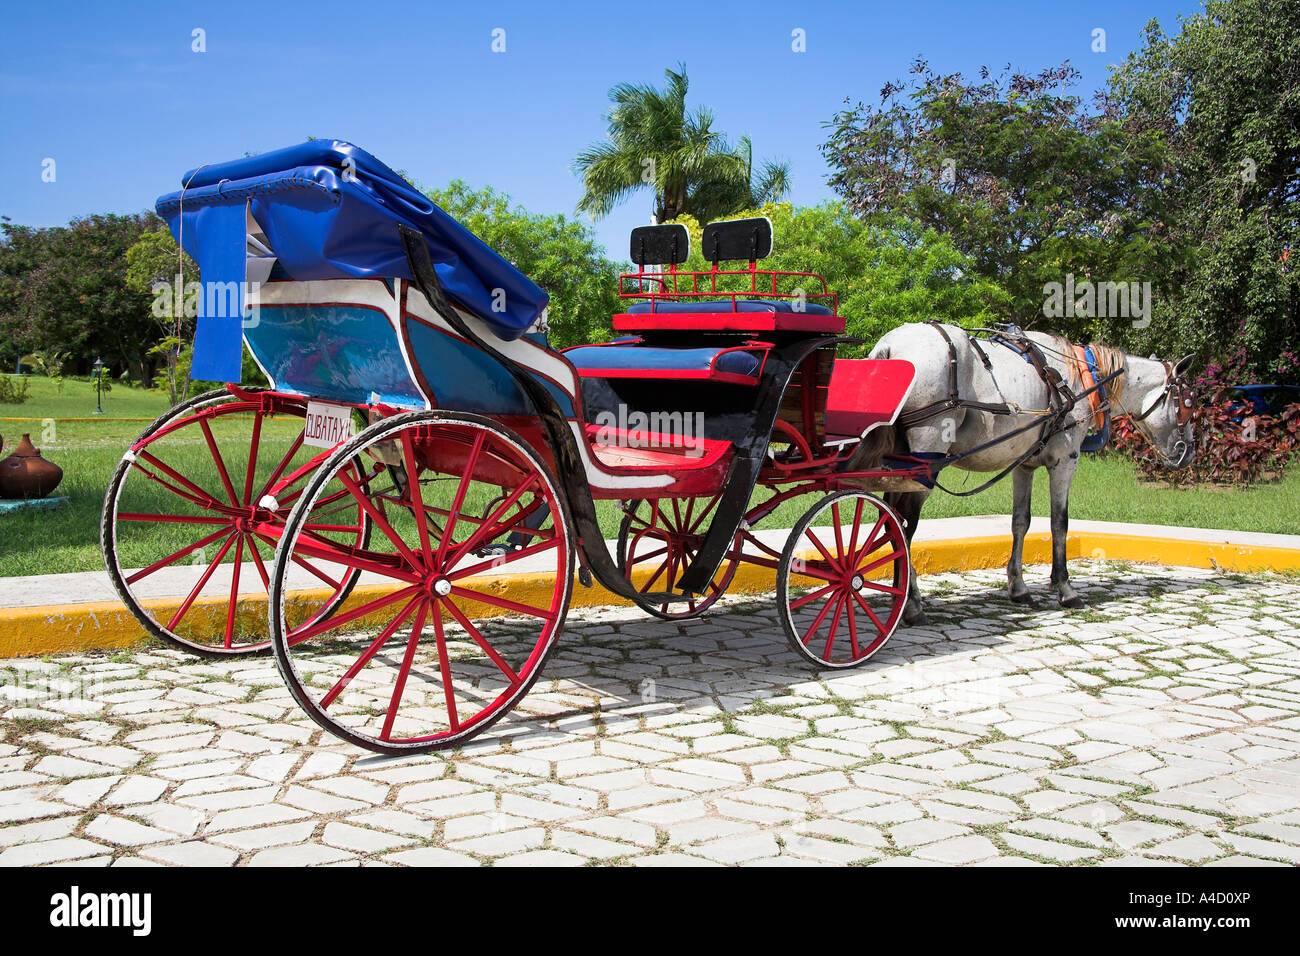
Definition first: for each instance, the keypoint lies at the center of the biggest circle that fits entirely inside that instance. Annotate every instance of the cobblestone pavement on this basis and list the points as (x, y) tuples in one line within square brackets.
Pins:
[(1161, 726)]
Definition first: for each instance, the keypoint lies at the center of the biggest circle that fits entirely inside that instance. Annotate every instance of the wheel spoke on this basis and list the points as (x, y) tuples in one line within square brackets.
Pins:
[(173, 519), (183, 552), (839, 532), (203, 580), (470, 461), (257, 560), (417, 500), (481, 641), (380, 521), (400, 684), (219, 461), (871, 614), (503, 559), (648, 586), (892, 556), (884, 588), (444, 668), (857, 524), (829, 651), (816, 625), (822, 548), (284, 463), (809, 598), (871, 543), (253, 445), (472, 595), (234, 590), (384, 637), (195, 494), (853, 630), (489, 524), (320, 627)]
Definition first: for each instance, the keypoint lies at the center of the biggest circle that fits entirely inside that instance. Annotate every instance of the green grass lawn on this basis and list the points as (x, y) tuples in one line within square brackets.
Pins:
[(33, 542)]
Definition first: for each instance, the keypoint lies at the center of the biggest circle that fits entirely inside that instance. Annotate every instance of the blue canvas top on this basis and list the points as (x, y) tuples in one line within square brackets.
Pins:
[(330, 211)]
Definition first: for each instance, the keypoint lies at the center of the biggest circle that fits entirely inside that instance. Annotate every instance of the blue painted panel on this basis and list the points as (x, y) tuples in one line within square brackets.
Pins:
[(465, 379), (342, 353)]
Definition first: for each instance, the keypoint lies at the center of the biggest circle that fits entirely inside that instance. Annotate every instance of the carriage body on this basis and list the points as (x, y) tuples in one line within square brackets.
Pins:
[(482, 451)]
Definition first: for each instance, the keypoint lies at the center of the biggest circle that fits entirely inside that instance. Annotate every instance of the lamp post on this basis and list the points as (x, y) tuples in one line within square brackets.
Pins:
[(99, 378)]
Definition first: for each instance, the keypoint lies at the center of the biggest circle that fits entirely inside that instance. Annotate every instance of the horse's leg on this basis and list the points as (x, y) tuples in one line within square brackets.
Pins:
[(908, 504), (1061, 475), (1022, 485)]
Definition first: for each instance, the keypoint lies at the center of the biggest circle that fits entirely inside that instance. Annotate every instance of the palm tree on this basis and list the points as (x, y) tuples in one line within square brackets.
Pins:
[(655, 142)]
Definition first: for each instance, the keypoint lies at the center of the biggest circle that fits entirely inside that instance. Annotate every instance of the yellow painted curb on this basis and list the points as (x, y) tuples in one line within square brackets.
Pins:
[(52, 629)]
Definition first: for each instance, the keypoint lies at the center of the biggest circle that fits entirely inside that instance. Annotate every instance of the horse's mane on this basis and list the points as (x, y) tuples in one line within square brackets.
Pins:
[(1108, 360)]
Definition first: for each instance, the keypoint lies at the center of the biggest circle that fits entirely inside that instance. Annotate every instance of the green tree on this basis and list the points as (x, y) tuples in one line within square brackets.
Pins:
[(655, 142), (1022, 178), (154, 261), (64, 289), (559, 253), (1224, 99), (885, 273)]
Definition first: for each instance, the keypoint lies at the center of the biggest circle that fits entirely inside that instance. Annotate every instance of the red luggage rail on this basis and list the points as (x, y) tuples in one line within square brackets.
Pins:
[(763, 284)]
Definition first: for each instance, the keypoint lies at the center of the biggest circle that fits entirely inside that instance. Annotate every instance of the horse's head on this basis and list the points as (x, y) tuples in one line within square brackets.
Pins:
[(1158, 398)]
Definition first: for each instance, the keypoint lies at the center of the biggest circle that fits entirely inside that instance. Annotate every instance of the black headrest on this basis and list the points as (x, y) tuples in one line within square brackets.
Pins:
[(669, 244), (746, 239)]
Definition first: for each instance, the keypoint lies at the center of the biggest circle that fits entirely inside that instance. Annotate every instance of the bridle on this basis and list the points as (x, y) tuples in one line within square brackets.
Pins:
[(1181, 392)]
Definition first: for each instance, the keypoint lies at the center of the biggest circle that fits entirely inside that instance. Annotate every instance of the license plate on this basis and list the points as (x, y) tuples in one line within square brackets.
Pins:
[(327, 425)]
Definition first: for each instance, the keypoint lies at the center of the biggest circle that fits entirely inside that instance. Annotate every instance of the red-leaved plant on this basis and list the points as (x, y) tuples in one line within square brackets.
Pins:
[(1234, 446)]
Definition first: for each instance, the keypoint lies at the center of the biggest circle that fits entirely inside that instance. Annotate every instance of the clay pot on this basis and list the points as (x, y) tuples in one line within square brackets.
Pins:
[(25, 474)]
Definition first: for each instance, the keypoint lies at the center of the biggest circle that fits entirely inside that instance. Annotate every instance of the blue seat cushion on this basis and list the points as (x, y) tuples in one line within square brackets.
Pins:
[(726, 305), (650, 359)]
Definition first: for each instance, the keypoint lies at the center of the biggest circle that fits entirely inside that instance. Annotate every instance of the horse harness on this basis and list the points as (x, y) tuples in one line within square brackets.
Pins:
[(1060, 400)]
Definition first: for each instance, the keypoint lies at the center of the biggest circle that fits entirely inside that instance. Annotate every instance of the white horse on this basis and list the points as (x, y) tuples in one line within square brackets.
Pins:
[(1149, 391)]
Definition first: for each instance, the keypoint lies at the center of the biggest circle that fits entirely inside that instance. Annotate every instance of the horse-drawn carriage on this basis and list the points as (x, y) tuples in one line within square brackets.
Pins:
[(399, 515)]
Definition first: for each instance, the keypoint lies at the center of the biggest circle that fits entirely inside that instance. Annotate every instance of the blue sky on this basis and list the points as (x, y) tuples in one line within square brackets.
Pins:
[(115, 95)]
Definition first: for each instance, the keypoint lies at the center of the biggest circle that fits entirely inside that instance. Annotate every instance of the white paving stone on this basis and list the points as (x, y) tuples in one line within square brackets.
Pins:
[(1013, 736)]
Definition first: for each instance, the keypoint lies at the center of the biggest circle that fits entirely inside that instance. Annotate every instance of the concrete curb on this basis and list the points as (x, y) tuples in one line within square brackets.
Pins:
[(51, 629)]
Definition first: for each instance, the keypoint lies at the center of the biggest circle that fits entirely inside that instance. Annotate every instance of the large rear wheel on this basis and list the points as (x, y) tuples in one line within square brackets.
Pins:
[(441, 638)]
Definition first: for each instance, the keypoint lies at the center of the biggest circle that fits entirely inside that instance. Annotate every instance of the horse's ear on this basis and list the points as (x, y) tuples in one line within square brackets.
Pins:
[(1184, 364)]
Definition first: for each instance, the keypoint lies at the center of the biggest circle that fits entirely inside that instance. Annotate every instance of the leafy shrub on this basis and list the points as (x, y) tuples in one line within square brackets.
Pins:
[(1232, 448), (13, 389)]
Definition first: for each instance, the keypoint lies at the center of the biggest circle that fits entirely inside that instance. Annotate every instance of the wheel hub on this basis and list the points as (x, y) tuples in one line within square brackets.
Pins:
[(857, 582), (439, 587)]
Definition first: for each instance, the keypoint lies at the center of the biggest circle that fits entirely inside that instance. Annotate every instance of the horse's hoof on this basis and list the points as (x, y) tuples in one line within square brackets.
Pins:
[(916, 618), (1024, 597), (1074, 603)]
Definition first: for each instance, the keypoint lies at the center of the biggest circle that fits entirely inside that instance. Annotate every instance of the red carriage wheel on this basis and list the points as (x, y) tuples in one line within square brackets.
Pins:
[(186, 540), (842, 583), (433, 648), (658, 538)]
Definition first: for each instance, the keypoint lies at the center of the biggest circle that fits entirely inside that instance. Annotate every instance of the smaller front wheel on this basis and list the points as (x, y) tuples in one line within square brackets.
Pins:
[(843, 579)]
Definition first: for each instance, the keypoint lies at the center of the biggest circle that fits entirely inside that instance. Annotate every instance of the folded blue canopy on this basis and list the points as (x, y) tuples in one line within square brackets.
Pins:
[(329, 211)]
